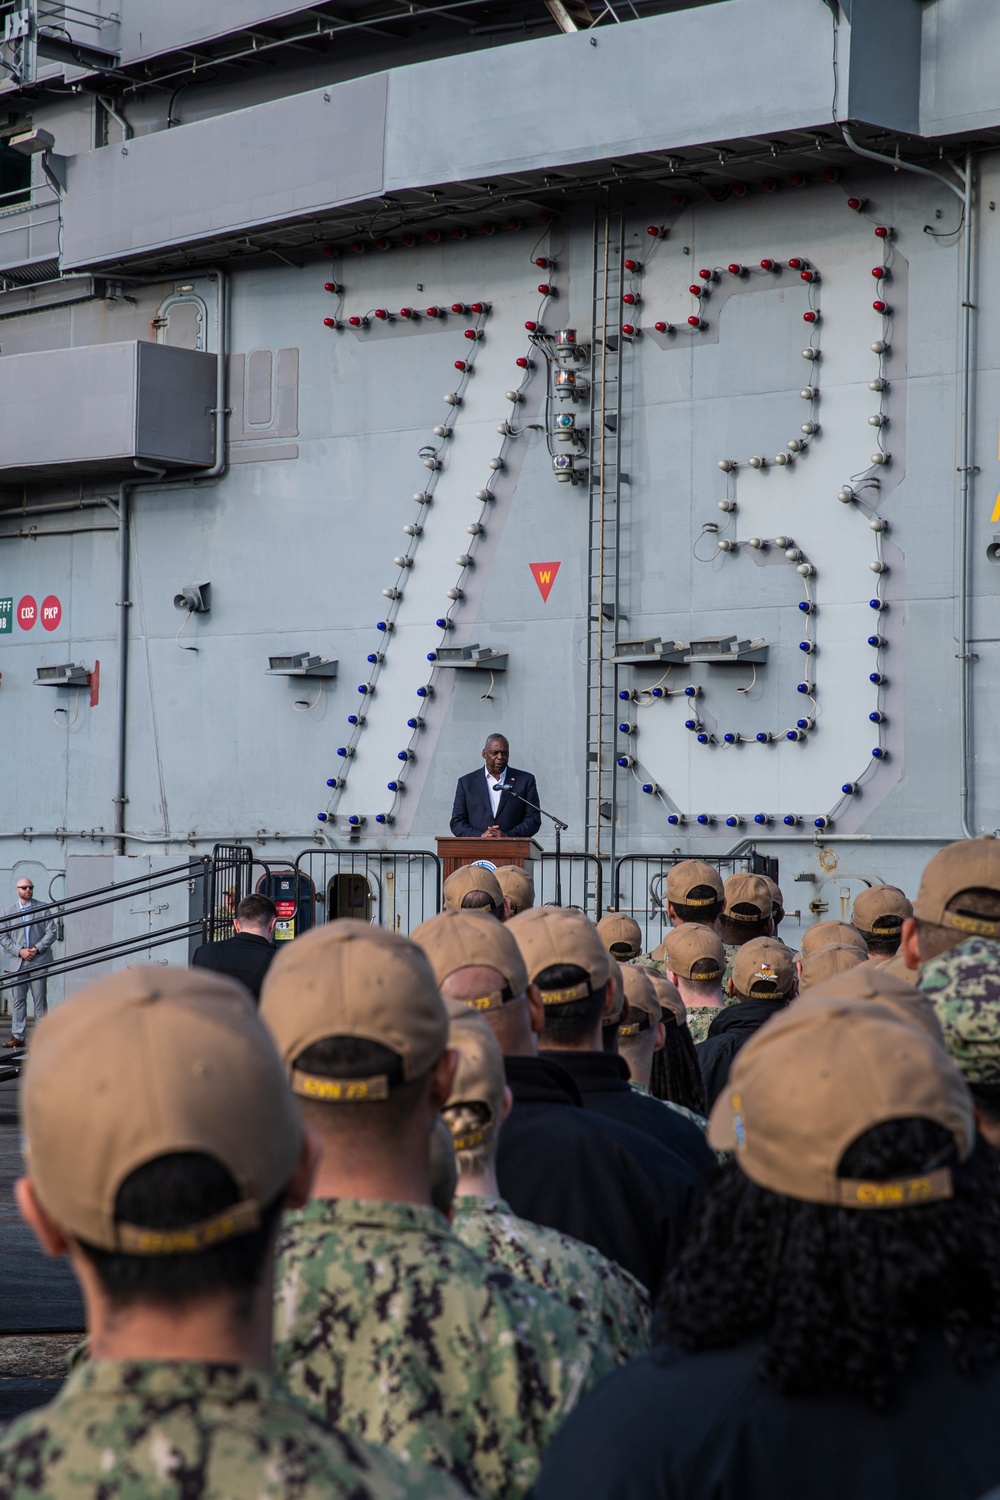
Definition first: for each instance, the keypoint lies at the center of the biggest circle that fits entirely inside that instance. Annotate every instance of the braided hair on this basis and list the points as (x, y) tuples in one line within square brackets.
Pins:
[(675, 1074)]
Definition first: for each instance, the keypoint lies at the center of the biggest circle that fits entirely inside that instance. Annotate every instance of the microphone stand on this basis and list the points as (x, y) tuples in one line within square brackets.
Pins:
[(560, 829)]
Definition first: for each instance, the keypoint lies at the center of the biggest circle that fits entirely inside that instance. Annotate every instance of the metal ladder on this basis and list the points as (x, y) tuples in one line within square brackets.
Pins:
[(605, 483)]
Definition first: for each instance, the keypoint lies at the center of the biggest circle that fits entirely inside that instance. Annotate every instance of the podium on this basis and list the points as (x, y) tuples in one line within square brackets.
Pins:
[(453, 853)]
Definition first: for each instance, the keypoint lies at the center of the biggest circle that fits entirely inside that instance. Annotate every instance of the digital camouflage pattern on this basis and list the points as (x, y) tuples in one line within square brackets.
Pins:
[(647, 961), (678, 1109), (609, 1297), (387, 1326), (963, 985), (731, 951), (700, 1018), (150, 1430)]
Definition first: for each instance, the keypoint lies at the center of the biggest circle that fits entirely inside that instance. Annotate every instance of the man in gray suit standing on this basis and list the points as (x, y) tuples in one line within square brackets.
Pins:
[(28, 940)]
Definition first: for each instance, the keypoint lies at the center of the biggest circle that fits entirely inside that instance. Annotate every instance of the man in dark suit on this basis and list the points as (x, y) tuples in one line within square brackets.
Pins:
[(489, 805), (248, 955)]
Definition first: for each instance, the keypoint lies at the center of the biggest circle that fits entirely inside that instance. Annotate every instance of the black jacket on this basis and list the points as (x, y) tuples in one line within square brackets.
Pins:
[(590, 1177), (666, 1427), (472, 812), (732, 1029), (245, 957), (603, 1081)]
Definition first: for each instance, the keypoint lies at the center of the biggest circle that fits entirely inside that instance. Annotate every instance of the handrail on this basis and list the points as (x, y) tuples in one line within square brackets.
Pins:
[(71, 906), (123, 948)]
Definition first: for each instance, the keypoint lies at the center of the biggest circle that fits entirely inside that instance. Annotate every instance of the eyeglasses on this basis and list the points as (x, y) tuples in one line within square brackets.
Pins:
[(26, 887)]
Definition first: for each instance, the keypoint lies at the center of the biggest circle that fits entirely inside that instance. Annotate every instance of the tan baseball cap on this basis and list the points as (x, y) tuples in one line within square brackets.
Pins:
[(620, 935), (819, 1075), (147, 1063), (971, 864), (777, 899), (548, 935), (686, 877), (469, 878), (879, 911), (473, 939), (751, 891), (669, 997), (348, 979), (764, 970), (828, 962), (643, 1006), (479, 1079), (518, 886), (610, 1020), (825, 933), (694, 952), (870, 981)]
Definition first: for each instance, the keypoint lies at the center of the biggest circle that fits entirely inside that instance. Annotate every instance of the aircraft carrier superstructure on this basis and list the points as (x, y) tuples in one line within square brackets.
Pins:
[(376, 375)]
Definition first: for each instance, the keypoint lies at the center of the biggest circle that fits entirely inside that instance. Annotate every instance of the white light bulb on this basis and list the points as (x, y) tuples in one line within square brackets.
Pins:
[(877, 420), (463, 560), (795, 445), (809, 428), (809, 393), (757, 462), (727, 465), (806, 569), (475, 529), (878, 385), (784, 458), (727, 505), (442, 431), (483, 495), (877, 524), (724, 545), (403, 562), (880, 458), (757, 543), (452, 399), (496, 463), (810, 354), (846, 495), (413, 530)]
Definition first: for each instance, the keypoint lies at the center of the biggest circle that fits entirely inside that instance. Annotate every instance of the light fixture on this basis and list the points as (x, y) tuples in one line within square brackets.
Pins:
[(196, 598)]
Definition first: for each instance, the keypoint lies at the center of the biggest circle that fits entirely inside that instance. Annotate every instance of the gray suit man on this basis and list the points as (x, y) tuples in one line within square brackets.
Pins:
[(27, 939)]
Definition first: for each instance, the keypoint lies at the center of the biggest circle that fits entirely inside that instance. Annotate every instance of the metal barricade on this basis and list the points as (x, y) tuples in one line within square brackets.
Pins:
[(232, 879), (581, 877), (640, 885), (394, 888)]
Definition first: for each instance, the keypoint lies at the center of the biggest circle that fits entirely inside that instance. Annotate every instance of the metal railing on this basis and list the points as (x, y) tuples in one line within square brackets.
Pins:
[(581, 878), (395, 888), (639, 888)]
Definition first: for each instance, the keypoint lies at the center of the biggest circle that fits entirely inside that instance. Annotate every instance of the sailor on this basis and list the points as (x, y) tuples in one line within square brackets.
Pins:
[(696, 961), (621, 935), (518, 887), (762, 983), (879, 913), (695, 893), (747, 916), (475, 888)]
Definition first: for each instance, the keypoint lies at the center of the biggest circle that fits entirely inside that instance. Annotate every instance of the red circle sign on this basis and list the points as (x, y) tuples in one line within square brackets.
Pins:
[(27, 612), (51, 612)]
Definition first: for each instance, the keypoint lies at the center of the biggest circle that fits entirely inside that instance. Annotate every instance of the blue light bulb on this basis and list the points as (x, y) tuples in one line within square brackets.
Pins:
[(355, 821), (374, 656), (793, 734), (729, 738), (690, 723), (342, 750), (878, 753), (732, 822), (625, 761), (806, 607), (876, 677), (424, 692), (763, 739), (673, 818), (382, 625), (322, 817), (381, 818), (803, 723), (624, 695), (761, 818), (444, 624), (392, 786), (432, 656), (804, 687), (704, 818), (414, 723), (657, 692), (790, 819), (365, 687), (690, 692), (807, 647), (877, 718), (876, 640), (404, 755), (848, 788), (353, 719), (821, 822), (648, 786), (703, 739), (877, 604)]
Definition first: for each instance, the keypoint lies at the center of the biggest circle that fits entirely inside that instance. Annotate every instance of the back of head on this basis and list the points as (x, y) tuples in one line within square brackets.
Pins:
[(475, 1105), (695, 891), (161, 1133), (748, 909), (518, 886), (565, 957), (959, 896), (854, 1179), (359, 1023), (827, 963), (878, 914), (644, 1010), (477, 962), (257, 912), (621, 935), (764, 970), (473, 887), (825, 933), (695, 954), (669, 997)]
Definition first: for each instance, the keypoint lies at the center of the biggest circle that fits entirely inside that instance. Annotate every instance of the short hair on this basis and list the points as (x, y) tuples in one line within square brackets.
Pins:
[(741, 932), (705, 914), (575, 1021), (698, 987), (884, 944), (173, 1192), (256, 910), (501, 737), (977, 901), (379, 1120), (480, 901)]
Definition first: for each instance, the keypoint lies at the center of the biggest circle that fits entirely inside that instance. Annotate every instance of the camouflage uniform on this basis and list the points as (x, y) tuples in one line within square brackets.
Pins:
[(647, 961), (387, 1326), (963, 985), (171, 1430), (607, 1295), (731, 951), (700, 1018)]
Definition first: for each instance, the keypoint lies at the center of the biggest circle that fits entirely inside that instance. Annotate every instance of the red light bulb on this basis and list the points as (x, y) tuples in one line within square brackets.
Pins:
[(382, 245), (795, 264), (696, 323), (632, 265), (329, 249), (531, 325), (631, 299), (542, 262), (409, 240), (513, 223), (433, 236), (330, 322), (695, 289), (382, 313), (767, 265), (628, 329), (739, 189), (707, 275), (545, 218), (661, 327), (522, 363), (460, 364), (856, 203), (330, 286), (406, 312), (880, 307), (355, 322), (458, 233), (831, 175), (768, 185), (797, 179), (459, 307), (480, 307), (434, 312), (473, 333), (882, 232), (810, 317), (487, 229), (879, 271), (735, 269), (676, 200), (654, 231), (357, 247), (544, 288), (808, 276)]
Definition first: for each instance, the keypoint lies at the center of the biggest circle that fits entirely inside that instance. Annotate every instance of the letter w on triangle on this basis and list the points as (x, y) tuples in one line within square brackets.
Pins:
[(544, 574)]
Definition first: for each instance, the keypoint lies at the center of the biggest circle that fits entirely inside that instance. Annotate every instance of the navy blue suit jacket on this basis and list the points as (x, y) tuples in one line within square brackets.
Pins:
[(472, 813)]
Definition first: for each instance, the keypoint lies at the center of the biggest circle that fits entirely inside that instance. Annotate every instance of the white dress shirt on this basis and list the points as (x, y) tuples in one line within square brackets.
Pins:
[(491, 782)]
